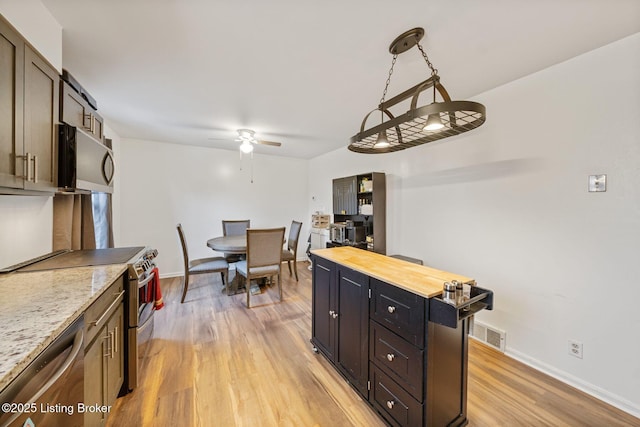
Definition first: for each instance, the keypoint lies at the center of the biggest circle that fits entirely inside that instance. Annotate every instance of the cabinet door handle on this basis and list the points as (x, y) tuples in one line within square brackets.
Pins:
[(115, 339), (91, 120), (112, 335), (334, 315), (331, 312), (390, 357), (390, 404), (35, 169), (26, 158), (391, 309), (108, 338)]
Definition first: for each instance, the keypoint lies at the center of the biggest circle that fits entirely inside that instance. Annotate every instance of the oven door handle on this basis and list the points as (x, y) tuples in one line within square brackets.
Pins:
[(146, 280)]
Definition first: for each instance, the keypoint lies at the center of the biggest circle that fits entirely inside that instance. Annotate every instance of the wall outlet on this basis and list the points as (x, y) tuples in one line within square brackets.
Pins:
[(575, 349)]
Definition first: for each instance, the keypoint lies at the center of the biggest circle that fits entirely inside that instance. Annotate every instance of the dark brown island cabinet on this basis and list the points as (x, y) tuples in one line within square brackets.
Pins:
[(384, 325)]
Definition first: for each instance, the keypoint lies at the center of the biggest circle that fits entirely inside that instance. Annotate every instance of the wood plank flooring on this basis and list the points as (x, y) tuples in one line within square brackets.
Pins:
[(213, 362)]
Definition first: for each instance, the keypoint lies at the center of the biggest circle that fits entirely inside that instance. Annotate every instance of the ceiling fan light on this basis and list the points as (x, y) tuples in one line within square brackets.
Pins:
[(246, 147), (433, 122), (245, 134), (382, 141)]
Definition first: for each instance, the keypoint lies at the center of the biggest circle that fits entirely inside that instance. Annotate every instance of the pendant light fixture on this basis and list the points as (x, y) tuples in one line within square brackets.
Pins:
[(418, 125)]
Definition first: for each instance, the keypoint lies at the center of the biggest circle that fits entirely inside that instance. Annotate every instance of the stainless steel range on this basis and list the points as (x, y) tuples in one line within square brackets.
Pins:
[(140, 298), (140, 292)]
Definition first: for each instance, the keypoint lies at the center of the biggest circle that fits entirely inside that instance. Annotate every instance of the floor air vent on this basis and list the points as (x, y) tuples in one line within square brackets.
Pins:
[(488, 335)]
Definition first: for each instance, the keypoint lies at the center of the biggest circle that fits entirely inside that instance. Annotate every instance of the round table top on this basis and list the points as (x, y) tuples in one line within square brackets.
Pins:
[(229, 244)]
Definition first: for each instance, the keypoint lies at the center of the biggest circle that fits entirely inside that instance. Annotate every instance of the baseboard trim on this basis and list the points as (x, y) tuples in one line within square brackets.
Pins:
[(595, 391)]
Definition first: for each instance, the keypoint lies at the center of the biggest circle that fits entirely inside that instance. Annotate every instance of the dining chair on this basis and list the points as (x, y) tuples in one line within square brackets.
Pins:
[(264, 257), (291, 252), (234, 228), (201, 265)]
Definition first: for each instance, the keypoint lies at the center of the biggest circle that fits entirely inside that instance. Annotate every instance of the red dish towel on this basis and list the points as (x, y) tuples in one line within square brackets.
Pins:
[(153, 290)]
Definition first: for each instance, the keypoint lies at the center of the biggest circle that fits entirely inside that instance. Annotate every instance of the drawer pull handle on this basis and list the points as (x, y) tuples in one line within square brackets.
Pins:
[(390, 357), (390, 404), (333, 314), (391, 309), (113, 304)]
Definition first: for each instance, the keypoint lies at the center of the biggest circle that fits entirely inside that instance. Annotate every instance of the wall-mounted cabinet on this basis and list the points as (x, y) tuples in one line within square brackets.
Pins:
[(76, 111), (29, 110)]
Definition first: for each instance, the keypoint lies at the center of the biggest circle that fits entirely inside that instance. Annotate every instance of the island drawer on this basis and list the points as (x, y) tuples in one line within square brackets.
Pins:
[(393, 402), (398, 358), (401, 311), (98, 313), (446, 314)]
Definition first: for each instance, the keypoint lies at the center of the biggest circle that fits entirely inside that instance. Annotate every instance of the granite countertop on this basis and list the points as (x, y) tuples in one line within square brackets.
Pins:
[(36, 307), (418, 279)]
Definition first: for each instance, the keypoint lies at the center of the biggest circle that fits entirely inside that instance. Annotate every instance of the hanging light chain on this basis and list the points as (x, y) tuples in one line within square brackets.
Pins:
[(434, 71), (386, 86)]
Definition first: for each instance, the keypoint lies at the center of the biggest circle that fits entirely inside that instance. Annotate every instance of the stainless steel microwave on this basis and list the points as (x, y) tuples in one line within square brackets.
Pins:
[(84, 163)]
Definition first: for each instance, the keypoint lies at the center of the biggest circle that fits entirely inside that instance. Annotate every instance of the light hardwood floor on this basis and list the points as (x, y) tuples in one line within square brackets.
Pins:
[(213, 362)]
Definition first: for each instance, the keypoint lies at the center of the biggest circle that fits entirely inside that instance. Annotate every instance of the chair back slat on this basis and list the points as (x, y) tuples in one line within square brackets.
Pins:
[(264, 246)]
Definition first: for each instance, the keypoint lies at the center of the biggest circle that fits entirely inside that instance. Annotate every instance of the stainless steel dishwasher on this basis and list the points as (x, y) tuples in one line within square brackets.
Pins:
[(49, 390)]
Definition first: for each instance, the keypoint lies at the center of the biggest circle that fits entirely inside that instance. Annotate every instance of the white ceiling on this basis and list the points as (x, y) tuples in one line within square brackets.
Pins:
[(306, 72)]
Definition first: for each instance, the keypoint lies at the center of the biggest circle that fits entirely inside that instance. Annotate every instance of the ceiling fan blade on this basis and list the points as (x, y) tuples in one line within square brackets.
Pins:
[(275, 144)]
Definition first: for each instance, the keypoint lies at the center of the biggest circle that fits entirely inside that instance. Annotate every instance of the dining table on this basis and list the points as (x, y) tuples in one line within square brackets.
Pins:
[(229, 244), (237, 245)]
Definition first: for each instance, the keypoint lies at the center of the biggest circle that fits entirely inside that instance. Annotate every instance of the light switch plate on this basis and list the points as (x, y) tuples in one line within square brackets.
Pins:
[(597, 183)]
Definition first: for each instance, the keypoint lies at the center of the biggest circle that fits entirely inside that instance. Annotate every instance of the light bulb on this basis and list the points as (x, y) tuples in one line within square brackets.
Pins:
[(382, 141), (246, 147), (433, 122)]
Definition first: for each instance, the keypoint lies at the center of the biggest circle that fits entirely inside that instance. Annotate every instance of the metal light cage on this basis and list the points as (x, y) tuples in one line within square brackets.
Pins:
[(406, 130)]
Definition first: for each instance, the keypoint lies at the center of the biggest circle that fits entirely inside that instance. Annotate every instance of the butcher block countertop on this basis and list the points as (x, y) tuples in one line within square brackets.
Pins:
[(418, 279), (36, 307)]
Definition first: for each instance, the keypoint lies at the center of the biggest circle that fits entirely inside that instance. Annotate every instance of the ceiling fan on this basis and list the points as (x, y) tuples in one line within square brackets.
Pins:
[(247, 139)]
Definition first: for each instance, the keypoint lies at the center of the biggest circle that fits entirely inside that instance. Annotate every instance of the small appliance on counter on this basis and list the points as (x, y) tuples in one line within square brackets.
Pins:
[(337, 232), (355, 232)]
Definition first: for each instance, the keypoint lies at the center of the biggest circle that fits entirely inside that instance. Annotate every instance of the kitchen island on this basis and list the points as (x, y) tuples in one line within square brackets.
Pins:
[(383, 324), (36, 308)]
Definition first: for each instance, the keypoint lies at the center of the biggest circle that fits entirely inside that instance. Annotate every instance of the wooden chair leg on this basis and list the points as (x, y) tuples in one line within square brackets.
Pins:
[(185, 286), (280, 286), (289, 265), (247, 288), (295, 269)]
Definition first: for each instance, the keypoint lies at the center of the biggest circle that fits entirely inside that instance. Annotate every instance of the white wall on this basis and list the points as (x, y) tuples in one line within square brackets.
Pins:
[(165, 184), (37, 25), (507, 204), (26, 222)]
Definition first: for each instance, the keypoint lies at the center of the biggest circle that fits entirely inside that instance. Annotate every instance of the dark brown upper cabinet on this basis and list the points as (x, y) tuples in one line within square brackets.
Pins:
[(29, 110)]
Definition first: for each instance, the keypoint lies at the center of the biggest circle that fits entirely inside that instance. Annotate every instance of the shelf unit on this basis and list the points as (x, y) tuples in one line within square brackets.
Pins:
[(363, 199)]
